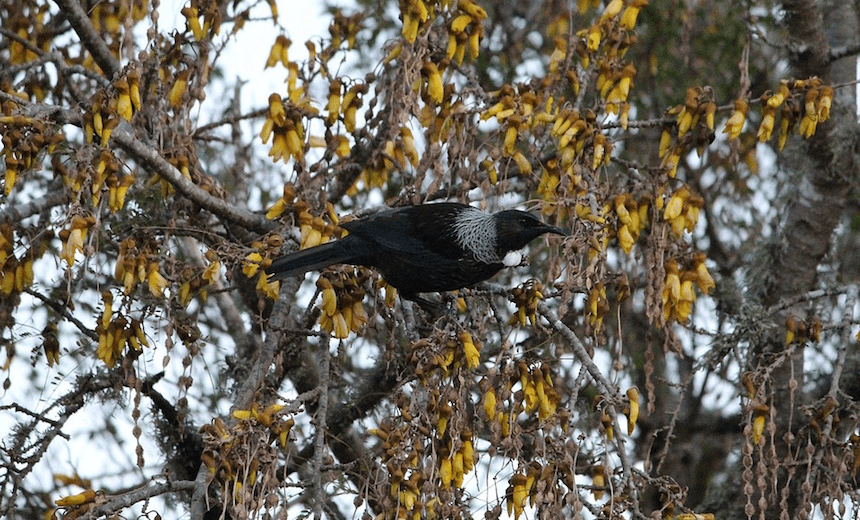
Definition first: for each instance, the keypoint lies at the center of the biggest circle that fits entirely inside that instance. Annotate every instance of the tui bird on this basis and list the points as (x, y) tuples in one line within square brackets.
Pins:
[(425, 248)]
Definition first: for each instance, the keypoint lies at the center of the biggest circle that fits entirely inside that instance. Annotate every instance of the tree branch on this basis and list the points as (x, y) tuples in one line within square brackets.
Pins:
[(117, 503), (94, 43), (19, 212), (152, 160)]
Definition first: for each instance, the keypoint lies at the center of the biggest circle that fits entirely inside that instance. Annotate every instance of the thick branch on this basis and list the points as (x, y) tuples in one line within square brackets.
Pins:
[(89, 36), (117, 503), (19, 212), (825, 182), (153, 161)]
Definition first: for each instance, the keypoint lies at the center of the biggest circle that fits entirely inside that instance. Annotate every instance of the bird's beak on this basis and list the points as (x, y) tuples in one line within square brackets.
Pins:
[(554, 230)]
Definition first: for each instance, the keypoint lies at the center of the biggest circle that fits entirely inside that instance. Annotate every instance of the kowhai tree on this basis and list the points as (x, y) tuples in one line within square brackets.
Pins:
[(687, 351)]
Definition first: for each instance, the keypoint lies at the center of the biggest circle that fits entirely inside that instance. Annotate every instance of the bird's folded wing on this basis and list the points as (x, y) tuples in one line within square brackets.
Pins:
[(409, 233)]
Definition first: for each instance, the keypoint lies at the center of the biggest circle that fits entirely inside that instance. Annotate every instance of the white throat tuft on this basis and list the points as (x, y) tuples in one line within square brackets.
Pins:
[(513, 258)]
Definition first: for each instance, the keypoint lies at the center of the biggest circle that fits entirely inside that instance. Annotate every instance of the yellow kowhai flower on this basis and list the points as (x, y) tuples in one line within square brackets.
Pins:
[(735, 124), (157, 283)]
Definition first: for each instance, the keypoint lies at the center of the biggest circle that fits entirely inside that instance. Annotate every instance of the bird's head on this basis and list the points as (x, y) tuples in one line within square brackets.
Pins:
[(515, 229)]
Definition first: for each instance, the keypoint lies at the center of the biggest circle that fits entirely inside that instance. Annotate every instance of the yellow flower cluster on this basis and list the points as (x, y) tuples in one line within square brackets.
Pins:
[(681, 210), (23, 141), (575, 131), (280, 52), (342, 28), (597, 472), (456, 463), (799, 330), (760, 415), (538, 391), (251, 267), (462, 351), (347, 106), (615, 33), (628, 17), (525, 488), (631, 409), (196, 283), (284, 124), (17, 273), (613, 82), (694, 124), (526, 297), (632, 219), (117, 332), (559, 55), (127, 90), (106, 171), (138, 265), (284, 203), (465, 31), (122, 100), (597, 306), (314, 229), (678, 293), (342, 310), (27, 21), (548, 187), (515, 110), (607, 422), (433, 91), (418, 15), (808, 101), (178, 87), (51, 344), (235, 456), (699, 105), (271, 418), (390, 292), (397, 154), (73, 237), (402, 150), (735, 123), (111, 18), (405, 479), (211, 15), (407, 493)]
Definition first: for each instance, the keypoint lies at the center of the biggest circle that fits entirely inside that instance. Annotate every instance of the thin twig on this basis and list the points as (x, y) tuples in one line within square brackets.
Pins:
[(603, 385), (232, 119)]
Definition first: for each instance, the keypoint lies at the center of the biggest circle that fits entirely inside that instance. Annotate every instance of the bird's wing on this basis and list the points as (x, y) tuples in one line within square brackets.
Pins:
[(411, 230)]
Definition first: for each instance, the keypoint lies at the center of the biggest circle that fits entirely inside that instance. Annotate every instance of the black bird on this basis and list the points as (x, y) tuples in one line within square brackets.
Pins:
[(424, 248)]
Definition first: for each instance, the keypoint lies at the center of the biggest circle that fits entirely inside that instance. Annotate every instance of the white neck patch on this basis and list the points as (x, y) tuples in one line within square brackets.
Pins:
[(513, 258), (476, 232)]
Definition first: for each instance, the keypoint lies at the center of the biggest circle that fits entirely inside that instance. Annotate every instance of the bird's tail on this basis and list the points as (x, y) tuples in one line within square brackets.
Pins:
[(294, 264)]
